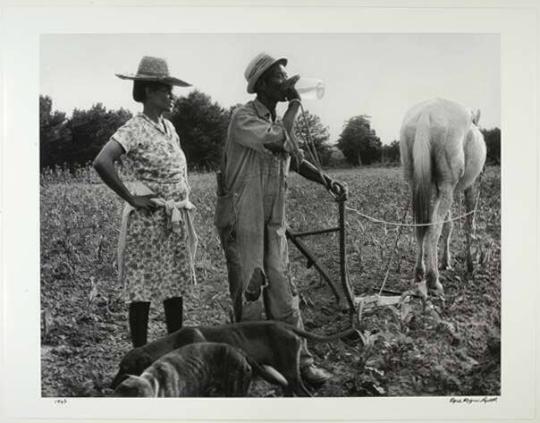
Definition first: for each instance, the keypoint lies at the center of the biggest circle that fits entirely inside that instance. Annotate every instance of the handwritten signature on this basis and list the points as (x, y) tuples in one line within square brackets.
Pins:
[(468, 400)]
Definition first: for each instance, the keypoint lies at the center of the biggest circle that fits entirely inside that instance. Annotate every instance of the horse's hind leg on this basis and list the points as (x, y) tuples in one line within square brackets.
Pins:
[(469, 225), (419, 268), (440, 211), (446, 235)]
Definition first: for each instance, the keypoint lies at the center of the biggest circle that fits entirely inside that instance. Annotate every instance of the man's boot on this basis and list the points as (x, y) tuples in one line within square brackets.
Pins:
[(173, 313), (314, 376), (138, 322)]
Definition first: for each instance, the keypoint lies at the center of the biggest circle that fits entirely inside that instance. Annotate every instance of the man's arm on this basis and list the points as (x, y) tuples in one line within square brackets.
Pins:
[(308, 171), (299, 164), (302, 166), (248, 130), (290, 115)]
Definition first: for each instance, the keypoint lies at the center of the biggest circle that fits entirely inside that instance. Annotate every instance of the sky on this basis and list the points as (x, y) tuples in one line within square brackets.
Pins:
[(379, 75)]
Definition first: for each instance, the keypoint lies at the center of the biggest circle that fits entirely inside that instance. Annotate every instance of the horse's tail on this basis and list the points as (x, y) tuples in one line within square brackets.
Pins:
[(422, 180)]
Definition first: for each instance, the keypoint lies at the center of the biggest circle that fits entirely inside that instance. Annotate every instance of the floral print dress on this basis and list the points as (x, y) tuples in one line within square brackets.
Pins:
[(156, 262)]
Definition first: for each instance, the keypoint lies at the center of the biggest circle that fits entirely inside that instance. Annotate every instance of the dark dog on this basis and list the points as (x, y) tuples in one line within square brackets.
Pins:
[(265, 343), (194, 370)]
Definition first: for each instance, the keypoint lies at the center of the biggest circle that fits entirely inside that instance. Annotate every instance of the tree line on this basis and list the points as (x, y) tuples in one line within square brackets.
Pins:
[(75, 141)]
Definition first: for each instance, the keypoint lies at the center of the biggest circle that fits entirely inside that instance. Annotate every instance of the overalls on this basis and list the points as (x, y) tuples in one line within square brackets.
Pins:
[(250, 218)]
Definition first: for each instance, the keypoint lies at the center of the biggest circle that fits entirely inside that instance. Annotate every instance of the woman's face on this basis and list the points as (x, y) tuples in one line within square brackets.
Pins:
[(160, 97)]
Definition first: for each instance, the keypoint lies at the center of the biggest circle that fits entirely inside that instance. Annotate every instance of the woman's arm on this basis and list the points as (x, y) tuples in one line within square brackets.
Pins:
[(104, 165)]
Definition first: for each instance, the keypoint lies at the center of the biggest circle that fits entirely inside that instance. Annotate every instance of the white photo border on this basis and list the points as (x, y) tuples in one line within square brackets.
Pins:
[(21, 31)]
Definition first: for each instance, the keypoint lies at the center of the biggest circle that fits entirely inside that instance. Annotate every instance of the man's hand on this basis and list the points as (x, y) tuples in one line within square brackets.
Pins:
[(143, 202), (337, 189), (291, 94), (290, 91)]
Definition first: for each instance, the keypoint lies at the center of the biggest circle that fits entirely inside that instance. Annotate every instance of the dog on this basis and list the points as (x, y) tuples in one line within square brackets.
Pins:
[(273, 347), (195, 370)]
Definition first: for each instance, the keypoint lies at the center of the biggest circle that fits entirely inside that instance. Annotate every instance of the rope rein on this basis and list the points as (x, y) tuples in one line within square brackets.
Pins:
[(414, 225), (312, 150), (410, 225), (391, 256)]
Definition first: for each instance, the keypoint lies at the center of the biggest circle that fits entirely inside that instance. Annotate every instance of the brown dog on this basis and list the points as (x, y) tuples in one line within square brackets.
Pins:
[(265, 343), (194, 370)]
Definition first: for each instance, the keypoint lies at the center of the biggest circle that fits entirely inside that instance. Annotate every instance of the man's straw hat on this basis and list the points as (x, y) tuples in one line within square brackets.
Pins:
[(154, 69), (258, 65)]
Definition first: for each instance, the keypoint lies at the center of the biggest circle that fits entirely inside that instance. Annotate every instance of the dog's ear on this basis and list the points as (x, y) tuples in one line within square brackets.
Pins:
[(273, 376), (129, 361), (130, 387), (142, 362), (268, 373), (118, 379)]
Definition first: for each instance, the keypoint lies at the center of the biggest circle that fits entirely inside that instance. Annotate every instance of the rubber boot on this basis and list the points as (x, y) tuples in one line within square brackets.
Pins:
[(173, 313), (138, 322)]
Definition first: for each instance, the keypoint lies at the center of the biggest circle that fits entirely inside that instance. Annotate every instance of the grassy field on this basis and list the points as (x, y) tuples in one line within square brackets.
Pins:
[(451, 348)]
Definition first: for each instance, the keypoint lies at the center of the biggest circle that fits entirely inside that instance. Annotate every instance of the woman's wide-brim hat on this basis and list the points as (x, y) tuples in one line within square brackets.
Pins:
[(258, 65), (154, 69)]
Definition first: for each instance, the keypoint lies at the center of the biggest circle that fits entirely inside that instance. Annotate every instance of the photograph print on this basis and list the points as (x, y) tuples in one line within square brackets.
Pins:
[(269, 215)]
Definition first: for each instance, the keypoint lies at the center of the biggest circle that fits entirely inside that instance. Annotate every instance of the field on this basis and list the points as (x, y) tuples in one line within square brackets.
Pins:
[(449, 347)]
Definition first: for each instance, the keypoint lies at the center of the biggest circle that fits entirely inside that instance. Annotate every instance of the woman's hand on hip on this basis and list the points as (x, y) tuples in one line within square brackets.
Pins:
[(143, 202)]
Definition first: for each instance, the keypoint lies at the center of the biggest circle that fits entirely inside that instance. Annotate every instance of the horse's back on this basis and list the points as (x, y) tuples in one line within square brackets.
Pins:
[(443, 114), (450, 126)]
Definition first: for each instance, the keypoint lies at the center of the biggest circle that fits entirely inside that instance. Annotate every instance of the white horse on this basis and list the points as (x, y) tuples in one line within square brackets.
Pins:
[(442, 153)]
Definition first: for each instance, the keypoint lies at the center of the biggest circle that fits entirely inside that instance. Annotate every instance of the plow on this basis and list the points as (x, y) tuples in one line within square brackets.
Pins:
[(357, 306)]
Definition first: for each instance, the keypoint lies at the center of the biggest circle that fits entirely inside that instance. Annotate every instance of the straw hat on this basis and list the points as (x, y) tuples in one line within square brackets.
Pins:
[(154, 69), (258, 65)]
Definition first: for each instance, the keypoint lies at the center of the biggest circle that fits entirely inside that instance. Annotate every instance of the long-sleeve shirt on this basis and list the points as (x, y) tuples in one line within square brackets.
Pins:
[(254, 187)]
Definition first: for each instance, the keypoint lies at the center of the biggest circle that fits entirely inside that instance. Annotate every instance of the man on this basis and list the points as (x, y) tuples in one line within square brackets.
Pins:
[(250, 212)]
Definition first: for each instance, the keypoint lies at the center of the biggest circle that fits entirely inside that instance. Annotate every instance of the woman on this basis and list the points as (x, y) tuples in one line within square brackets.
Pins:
[(157, 242)]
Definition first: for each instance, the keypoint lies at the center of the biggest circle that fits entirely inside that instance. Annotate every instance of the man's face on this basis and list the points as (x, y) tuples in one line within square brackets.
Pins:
[(272, 84)]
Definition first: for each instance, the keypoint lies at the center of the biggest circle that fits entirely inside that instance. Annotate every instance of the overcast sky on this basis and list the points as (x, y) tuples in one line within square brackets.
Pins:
[(381, 75)]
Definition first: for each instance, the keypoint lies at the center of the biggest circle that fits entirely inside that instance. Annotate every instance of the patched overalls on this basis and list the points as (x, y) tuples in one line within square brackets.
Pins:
[(250, 218)]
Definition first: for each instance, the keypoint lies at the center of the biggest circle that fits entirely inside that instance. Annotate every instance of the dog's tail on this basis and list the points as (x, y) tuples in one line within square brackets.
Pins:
[(323, 338), (422, 179)]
